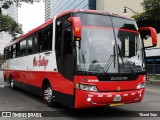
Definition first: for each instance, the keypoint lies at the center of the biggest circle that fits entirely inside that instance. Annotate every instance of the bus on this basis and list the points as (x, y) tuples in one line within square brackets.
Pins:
[(81, 59)]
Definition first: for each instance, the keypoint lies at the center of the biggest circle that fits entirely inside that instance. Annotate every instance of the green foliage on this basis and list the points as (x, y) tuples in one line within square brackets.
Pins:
[(7, 3), (151, 15), (153, 77), (8, 24), (19, 2), (151, 4), (152, 8)]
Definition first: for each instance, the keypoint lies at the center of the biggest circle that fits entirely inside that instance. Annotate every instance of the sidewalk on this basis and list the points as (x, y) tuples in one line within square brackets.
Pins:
[(157, 82)]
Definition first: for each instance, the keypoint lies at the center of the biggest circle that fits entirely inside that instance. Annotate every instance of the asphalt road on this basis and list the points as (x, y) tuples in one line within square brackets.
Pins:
[(20, 100)]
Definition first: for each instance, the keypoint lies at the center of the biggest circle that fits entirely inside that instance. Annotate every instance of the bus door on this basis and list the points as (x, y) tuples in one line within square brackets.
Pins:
[(64, 55)]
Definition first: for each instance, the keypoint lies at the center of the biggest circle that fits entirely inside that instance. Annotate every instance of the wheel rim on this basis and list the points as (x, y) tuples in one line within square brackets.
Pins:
[(12, 84), (48, 94)]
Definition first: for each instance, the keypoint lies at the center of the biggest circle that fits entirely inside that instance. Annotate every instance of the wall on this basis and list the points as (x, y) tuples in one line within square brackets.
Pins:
[(117, 6)]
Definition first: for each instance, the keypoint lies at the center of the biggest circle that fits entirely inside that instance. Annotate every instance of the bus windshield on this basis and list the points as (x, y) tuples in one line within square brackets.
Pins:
[(109, 44)]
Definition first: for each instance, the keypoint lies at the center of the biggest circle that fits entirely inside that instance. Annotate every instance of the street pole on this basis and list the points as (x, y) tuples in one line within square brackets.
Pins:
[(125, 10)]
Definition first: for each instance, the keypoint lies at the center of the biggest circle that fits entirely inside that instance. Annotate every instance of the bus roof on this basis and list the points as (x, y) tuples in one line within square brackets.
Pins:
[(92, 11), (63, 13)]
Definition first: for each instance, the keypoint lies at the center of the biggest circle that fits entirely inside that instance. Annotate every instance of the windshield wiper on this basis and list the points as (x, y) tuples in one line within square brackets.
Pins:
[(122, 57), (110, 61)]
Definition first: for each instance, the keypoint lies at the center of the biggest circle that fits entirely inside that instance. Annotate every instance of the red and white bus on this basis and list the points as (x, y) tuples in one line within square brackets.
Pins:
[(81, 59)]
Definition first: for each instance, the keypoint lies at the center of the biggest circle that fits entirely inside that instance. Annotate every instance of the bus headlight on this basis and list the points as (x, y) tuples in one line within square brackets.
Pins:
[(140, 86), (91, 88)]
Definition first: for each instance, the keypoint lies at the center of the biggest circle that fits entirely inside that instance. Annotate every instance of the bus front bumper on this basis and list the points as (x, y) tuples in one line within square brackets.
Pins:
[(85, 99)]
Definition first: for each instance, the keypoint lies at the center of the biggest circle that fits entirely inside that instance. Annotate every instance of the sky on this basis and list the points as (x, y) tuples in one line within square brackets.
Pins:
[(31, 15)]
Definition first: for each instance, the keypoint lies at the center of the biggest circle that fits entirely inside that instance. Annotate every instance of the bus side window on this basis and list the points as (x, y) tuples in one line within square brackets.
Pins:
[(30, 46), (17, 49), (10, 53), (23, 48), (58, 43), (47, 39), (51, 39), (14, 51), (40, 37), (5, 53), (35, 44), (67, 34)]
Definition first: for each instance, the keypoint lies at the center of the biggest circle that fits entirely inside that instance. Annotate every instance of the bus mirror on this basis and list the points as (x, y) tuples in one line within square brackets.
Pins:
[(76, 26), (149, 35)]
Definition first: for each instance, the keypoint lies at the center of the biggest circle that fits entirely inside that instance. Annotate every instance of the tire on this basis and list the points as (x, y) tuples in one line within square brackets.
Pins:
[(12, 84), (48, 96)]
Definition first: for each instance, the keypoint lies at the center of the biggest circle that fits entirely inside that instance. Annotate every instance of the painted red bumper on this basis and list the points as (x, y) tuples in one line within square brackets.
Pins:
[(86, 99)]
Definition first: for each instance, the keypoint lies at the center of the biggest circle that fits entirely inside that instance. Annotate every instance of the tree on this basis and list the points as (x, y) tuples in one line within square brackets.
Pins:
[(19, 2), (151, 14), (8, 24), (7, 3), (151, 5)]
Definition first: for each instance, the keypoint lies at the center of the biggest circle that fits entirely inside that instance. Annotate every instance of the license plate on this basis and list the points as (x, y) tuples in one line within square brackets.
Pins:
[(117, 98), (116, 104)]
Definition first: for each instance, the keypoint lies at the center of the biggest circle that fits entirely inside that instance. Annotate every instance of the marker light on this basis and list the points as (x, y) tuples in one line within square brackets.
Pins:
[(140, 86)]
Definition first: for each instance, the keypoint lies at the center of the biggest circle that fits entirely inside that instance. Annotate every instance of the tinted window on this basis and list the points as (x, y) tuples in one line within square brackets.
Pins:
[(124, 23), (66, 23), (18, 49), (95, 20), (47, 39), (23, 48), (67, 49), (10, 52), (36, 45), (6, 53), (30, 46), (14, 50), (58, 38), (40, 38)]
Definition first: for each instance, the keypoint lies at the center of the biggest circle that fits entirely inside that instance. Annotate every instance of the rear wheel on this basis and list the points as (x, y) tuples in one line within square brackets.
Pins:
[(48, 96)]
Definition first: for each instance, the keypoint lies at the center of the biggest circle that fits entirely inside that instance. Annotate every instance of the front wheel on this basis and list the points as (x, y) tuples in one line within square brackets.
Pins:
[(48, 96)]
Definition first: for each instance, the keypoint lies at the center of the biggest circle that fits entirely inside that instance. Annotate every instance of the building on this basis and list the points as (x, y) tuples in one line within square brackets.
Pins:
[(47, 9), (54, 7), (117, 6), (5, 38)]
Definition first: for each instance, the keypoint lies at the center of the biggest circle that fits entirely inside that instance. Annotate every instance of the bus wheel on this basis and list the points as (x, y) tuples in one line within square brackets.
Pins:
[(48, 96), (12, 85)]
